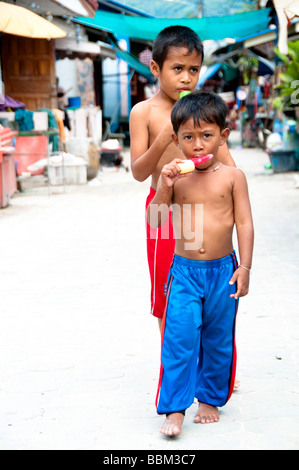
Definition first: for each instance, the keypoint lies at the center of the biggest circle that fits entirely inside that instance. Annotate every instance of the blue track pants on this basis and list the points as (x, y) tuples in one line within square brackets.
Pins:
[(198, 356)]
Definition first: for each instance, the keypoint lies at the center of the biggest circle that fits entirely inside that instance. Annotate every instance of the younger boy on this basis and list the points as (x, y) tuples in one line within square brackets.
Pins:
[(177, 59), (205, 282)]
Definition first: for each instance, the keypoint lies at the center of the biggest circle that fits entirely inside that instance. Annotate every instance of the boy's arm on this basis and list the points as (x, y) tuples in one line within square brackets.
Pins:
[(224, 155), (144, 159), (158, 209), (245, 233)]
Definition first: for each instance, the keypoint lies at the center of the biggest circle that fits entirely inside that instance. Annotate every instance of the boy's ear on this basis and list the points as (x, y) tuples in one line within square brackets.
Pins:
[(175, 138), (224, 136), (155, 69)]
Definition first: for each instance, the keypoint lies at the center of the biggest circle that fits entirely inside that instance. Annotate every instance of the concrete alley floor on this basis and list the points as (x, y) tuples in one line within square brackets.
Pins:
[(79, 350)]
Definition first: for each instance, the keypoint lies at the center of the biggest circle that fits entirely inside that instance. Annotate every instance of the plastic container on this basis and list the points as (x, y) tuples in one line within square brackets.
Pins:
[(111, 145), (74, 101), (69, 174), (283, 161), (278, 127), (290, 136)]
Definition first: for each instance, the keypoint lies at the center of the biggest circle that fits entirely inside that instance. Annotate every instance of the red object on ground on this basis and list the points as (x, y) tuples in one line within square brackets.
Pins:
[(8, 180), (30, 149)]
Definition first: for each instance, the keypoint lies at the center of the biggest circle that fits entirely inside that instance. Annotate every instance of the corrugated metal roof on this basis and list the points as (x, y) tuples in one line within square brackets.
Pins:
[(188, 8)]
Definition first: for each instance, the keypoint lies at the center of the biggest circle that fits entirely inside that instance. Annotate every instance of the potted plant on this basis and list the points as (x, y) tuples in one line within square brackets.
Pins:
[(288, 99)]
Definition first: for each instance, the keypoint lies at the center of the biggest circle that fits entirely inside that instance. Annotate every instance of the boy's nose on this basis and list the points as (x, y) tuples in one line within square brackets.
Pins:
[(197, 144), (185, 77)]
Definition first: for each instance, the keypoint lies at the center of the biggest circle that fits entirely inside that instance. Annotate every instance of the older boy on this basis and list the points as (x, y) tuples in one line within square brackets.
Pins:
[(177, 59), (198, 353)]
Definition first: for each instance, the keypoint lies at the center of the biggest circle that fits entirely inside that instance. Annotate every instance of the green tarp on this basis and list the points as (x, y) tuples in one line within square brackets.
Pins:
[(216, 28)]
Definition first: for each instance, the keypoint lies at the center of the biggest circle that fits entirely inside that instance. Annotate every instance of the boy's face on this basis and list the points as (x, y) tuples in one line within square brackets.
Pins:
[(179, 72), (196, 141)]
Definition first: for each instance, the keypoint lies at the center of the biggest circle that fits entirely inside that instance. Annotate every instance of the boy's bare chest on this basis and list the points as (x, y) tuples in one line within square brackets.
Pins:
[(209, 189), (157, 120)]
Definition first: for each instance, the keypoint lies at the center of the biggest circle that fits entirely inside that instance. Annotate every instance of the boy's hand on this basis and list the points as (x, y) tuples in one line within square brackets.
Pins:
[(171, 172), (167, 131), (241, 277)]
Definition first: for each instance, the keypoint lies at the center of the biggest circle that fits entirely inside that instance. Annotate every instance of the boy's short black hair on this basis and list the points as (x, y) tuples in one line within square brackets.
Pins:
[(201, 106), (175, 36)]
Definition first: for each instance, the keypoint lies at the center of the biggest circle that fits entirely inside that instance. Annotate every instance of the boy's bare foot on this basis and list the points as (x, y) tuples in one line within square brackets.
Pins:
[(206, 414), (237, 384), (172, 425)]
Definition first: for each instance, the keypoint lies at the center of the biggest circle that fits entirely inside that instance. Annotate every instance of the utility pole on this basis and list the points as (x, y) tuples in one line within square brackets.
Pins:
[(200, 9)]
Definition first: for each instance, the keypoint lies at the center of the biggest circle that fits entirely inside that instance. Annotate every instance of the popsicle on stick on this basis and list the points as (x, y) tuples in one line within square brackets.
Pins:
[(189, 165)]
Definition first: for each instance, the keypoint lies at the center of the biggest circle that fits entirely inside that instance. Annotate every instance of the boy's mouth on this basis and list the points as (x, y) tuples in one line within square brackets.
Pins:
[(200, 159)]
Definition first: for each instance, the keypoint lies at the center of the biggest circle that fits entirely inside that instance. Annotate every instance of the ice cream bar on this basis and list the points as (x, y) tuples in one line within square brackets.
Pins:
[(189, 165), (184, 93)]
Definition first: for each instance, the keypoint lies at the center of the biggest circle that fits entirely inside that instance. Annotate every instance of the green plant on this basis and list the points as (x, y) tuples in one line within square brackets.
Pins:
[(289, 78)]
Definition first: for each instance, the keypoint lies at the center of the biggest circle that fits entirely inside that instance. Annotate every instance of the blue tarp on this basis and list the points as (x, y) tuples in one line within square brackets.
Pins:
[(208, 73)]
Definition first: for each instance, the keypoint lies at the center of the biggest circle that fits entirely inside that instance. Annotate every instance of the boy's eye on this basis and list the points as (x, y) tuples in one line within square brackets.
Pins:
[(206, 136), (178, 68), (188, 137), (194, 70)]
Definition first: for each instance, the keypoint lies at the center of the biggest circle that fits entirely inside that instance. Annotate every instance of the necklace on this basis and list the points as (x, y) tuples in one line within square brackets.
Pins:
[(209, 170)]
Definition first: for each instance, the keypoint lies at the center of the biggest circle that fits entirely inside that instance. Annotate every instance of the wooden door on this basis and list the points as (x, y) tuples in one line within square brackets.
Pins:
[(28, 71)]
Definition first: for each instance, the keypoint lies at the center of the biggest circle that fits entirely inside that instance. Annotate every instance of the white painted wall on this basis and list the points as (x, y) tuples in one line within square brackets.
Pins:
[(66, 72)]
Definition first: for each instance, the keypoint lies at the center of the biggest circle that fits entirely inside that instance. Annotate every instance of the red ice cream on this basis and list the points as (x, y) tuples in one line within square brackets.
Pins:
[(190, 164)]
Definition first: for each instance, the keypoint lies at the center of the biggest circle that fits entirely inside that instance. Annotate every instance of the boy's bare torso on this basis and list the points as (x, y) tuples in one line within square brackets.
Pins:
[(206, 233), (158, 113)]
